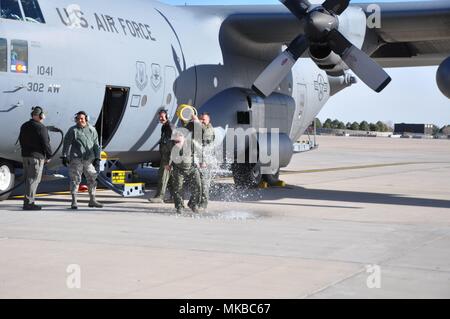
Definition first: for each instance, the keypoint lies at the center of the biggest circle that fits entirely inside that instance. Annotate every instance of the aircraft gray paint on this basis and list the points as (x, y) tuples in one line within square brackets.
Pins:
[(133, 58)]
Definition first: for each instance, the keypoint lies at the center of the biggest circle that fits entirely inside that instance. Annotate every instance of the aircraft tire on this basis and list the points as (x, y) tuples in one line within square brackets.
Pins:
[(247, 175), (272, 179), (7, 179)]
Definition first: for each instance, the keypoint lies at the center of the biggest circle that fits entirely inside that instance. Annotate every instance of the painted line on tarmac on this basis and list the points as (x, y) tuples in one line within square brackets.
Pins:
[(345, 168), (335, 169), (55, 193)]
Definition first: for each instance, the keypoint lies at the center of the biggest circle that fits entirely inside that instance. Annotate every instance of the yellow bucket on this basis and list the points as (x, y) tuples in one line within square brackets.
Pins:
[(185, 112)]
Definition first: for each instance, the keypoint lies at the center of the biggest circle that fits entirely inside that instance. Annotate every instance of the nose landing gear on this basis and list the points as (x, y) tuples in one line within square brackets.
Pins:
[(7, 179)]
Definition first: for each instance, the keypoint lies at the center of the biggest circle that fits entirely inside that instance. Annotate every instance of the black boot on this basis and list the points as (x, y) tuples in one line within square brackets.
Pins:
[(74, 204), (31, 207)]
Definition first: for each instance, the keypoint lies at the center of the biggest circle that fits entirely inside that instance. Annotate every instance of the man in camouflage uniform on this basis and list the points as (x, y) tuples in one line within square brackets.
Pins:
[(165, 147), (207, 159), (184, 170), (81, 152)]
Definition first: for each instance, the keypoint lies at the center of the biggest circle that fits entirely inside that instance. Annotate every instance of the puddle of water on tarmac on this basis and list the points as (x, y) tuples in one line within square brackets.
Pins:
[(227, 215)]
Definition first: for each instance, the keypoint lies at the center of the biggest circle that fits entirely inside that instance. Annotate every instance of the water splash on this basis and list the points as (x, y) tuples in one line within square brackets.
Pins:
[(237, 215)]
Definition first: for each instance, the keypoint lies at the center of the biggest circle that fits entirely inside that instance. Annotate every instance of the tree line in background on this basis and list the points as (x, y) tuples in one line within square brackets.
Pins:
[(355, 126), (370, 127)]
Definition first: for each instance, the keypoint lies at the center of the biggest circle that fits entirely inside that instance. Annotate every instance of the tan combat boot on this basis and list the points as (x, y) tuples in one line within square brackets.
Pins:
[(93, 203), (156, 200)]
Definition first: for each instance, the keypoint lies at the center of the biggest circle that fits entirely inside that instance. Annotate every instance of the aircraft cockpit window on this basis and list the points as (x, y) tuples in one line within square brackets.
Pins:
[(3, 55), (10, 9), (32, 11), (17, 10), (19, 56)]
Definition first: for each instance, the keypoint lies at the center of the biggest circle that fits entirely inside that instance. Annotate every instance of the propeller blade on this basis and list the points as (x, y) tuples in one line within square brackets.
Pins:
[(360, 63), (272, 76), (336, 6), (298, 7)]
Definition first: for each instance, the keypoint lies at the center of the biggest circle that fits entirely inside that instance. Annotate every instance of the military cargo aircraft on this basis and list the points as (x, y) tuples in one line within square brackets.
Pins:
[(271, 66)]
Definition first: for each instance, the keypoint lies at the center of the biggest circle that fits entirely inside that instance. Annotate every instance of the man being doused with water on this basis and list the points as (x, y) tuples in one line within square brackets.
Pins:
[(184, 170)]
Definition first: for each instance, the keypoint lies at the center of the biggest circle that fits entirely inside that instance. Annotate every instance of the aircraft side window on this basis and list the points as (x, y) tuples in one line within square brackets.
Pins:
[(10, 9), (19, 56), (3, 55), (32, 11)]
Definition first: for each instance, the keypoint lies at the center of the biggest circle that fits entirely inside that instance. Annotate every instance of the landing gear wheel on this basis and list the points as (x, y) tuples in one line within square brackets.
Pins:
[(7, 179), (247, 175), (272, 179)]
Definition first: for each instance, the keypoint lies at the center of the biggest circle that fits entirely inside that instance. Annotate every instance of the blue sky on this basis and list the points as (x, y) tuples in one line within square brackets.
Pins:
[(412, 97)]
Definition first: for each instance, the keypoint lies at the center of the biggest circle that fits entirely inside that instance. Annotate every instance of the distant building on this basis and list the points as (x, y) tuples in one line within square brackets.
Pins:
[(402, 128)]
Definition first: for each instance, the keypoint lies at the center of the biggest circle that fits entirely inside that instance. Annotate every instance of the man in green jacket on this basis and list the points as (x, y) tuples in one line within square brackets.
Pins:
[(81, 152)]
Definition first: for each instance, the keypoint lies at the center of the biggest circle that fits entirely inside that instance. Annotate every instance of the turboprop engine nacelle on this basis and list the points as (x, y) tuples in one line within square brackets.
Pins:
[(443, 77), (327, 60), (237, 108)]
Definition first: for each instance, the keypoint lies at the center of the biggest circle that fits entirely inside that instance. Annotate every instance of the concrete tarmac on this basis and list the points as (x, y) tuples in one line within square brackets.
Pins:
[(360, 218)]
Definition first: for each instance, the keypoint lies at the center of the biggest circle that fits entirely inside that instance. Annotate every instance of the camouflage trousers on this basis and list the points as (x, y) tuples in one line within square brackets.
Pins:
[(205, 178), (206, 173), (76, 169), (190, 175)]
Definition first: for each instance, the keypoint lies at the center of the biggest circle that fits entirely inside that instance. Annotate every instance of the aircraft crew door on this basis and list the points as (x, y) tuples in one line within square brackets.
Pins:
[(114, 106), (169, 99)]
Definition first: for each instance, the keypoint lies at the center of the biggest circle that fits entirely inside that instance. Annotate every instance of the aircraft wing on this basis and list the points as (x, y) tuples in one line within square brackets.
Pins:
[(258, 23), (411, 33)]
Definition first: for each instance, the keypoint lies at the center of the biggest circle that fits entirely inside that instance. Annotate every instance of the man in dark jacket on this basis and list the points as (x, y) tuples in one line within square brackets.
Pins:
[(36, 151), (165, 148)]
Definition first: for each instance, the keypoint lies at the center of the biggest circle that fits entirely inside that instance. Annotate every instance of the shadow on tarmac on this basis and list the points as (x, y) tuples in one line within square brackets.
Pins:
[(229, 193), (296, 192)]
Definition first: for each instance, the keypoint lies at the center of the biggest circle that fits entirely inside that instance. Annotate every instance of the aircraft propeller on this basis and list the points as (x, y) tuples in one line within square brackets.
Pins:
[(321, 30)]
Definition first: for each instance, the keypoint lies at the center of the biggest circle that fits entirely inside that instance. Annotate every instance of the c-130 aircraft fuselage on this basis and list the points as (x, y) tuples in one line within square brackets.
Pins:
[(122, 62)]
